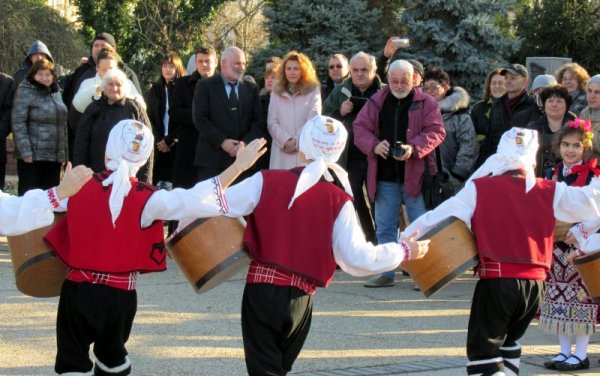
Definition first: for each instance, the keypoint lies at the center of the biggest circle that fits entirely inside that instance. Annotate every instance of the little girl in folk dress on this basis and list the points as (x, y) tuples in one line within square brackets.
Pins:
[(567, 310)]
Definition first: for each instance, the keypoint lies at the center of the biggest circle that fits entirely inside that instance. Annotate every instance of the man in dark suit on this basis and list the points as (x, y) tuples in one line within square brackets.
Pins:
[(226, 113), (7, 91), (181, 124)]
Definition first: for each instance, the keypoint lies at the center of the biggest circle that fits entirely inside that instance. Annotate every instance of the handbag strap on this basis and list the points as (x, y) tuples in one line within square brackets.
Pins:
[(438, 161)]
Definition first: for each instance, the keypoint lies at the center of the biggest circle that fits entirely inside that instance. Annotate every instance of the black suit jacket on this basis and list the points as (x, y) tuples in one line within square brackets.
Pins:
[(215, 123)]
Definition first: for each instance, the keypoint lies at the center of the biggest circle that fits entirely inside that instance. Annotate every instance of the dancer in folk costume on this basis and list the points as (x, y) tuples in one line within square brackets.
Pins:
[(513, 263), (567, 310), (301, 223), (113, 231)]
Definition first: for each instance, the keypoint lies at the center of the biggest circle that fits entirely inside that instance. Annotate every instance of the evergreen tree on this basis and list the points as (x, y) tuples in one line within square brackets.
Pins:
[(24, 21), (319, 29), (114, 17), (561, 28), (462, 37), (146, 30)]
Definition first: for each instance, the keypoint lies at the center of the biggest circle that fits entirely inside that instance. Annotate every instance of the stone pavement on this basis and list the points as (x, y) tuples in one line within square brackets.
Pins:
[(355, 331)]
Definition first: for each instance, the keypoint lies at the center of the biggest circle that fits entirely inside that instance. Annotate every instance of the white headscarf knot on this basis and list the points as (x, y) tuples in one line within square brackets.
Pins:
[(322, 141), (129, 145), (516, 150)]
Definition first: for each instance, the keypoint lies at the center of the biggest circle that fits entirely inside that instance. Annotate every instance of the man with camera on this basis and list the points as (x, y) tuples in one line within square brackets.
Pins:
[(344, 103), (397, 129)]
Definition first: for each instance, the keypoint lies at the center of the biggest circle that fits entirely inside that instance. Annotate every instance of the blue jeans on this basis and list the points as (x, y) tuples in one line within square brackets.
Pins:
[(388, 200)]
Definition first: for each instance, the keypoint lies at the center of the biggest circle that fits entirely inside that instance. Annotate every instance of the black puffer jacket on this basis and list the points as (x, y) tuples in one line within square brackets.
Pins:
[(95, 125), (39, 122)]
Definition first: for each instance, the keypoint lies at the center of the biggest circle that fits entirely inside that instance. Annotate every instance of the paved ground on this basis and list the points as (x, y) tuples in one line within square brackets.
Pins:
[(355, 331)]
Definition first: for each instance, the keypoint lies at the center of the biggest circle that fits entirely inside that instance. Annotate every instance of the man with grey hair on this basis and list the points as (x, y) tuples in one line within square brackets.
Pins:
[(344, 103), (337, 72), (226, 113), (397, 133)]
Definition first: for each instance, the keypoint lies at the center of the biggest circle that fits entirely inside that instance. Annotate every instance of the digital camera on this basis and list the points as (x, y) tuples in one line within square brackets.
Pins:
[(397, 150)]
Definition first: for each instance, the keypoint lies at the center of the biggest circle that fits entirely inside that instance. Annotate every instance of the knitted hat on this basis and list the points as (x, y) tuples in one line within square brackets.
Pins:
[(542, 81), (108, 38), (595, 79), (417, 66)]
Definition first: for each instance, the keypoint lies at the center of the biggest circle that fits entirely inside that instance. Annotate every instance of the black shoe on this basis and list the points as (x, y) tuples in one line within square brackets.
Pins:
[(551, 364), (379, 281), (583, 364)]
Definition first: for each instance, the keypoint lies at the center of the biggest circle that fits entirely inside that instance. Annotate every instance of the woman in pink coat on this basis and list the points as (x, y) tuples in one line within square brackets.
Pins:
[(295, 99)]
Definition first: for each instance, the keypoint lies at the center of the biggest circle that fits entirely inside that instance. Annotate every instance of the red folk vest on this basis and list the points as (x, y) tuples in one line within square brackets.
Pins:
[(298, 239), (514, 230), (86, 239)]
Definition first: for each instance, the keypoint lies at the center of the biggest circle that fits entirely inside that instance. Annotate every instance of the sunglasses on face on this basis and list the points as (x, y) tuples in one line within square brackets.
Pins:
[(338, 66)]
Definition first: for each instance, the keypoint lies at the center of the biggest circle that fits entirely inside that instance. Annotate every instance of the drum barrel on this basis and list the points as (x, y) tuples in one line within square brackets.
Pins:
[(38, 272), (209, 251), (452, 251), (588, 267)]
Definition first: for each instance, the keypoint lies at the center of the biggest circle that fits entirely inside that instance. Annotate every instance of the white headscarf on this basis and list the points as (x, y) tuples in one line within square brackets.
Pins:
[(322, 140), (516, 150), (129, 145)]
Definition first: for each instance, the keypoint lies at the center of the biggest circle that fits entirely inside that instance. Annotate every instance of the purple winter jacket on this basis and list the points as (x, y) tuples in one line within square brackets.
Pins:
[(425, 132)]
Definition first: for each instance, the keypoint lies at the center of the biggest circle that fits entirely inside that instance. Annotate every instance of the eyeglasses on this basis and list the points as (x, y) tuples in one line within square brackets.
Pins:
[(400, 82), (431, 87), (338, 66)]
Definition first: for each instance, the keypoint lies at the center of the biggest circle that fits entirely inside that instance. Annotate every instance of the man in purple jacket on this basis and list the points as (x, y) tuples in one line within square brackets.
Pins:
[(397, 132)]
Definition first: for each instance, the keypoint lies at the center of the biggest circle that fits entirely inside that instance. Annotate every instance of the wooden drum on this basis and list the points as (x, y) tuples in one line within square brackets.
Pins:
[(452, 251), (588, 267), (38, 272), (560, 230), (209, 251)]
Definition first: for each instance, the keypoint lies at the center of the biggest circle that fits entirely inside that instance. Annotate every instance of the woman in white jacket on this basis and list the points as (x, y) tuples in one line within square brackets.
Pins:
[(90, 89)]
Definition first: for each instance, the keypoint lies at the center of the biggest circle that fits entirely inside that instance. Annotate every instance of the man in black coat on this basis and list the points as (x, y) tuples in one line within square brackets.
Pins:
[(88, 70), (226, 113), (7, 91), (181, 124), (516, 108)]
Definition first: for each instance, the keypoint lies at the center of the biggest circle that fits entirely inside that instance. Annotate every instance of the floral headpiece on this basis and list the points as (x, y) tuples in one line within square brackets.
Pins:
[(586, 127)]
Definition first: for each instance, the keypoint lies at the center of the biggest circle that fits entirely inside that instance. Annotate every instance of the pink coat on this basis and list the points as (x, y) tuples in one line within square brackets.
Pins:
[(425, 133), (287, 115)]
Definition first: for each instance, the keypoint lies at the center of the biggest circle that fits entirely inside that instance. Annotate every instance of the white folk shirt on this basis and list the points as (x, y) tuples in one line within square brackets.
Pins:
[(570, 204), (19, 215), (350, 249)]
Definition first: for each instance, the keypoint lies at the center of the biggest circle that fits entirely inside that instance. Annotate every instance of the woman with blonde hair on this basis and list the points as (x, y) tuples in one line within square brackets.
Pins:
[(575, 78), (295, 99)]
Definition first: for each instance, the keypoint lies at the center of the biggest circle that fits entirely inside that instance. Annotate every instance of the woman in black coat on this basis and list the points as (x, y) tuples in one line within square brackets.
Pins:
[(100, 117), (158, 99)]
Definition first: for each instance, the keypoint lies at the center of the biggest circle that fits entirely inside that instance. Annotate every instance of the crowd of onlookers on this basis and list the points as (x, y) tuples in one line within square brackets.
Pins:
[(401, 118), (200, 119)]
